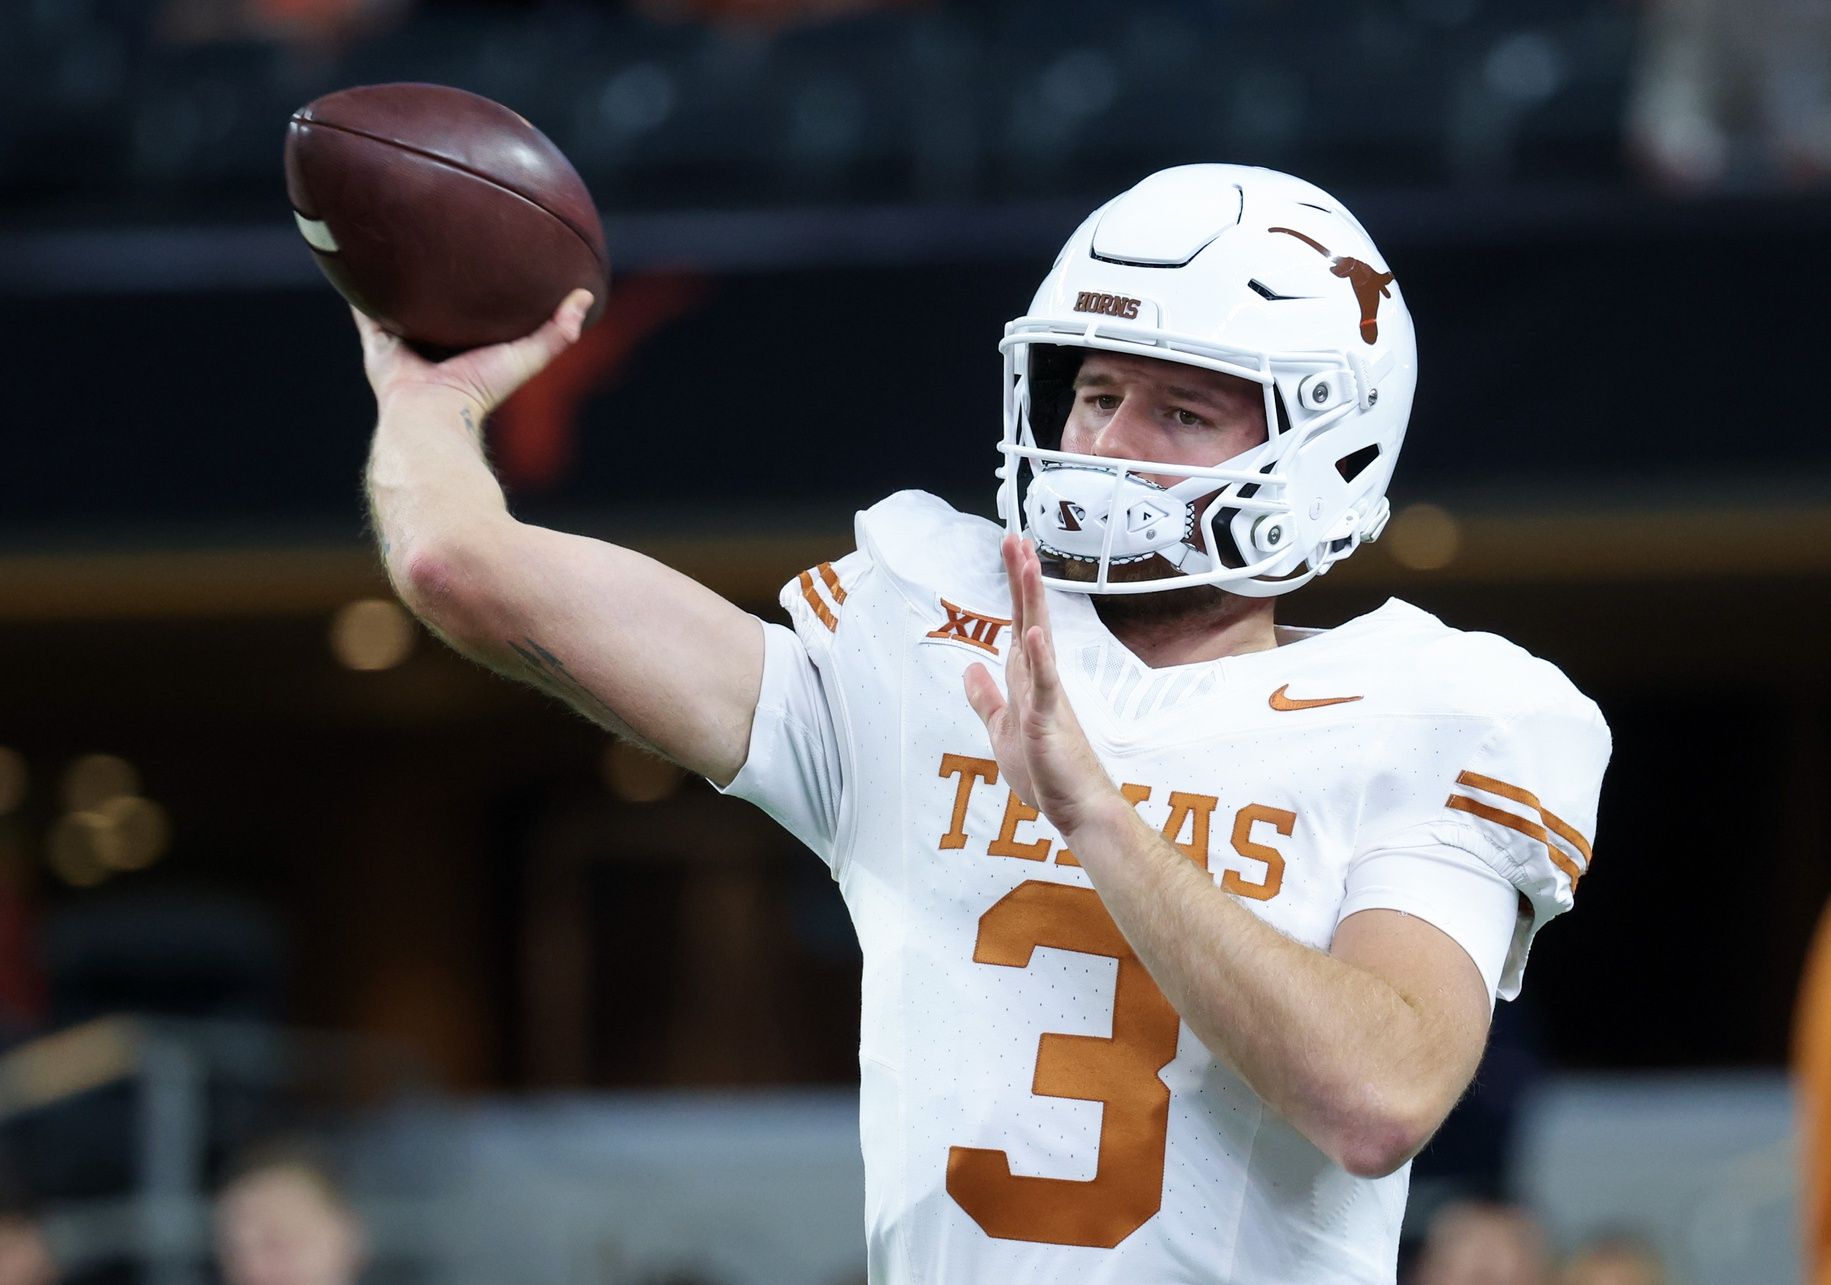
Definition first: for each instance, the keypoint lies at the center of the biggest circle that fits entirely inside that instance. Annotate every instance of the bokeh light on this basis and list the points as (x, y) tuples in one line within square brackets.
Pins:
[(372, 634), (94, 779), (74, 849), (130, 833), (1424, 537)]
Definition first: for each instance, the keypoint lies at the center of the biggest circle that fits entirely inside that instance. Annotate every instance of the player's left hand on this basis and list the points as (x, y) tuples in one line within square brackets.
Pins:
[(1040, 747)]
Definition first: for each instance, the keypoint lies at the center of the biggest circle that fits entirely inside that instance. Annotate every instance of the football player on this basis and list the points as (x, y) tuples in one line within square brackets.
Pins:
[(1182, 928)]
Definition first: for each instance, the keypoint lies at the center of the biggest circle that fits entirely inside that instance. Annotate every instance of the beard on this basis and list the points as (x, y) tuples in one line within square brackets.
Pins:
[(1185, 608), (1197, 607)]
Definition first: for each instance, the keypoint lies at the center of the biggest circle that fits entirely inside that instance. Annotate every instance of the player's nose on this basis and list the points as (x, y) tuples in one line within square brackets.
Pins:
[(1125, 435)]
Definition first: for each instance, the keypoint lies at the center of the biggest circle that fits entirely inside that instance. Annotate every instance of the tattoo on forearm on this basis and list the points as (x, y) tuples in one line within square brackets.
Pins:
[(470, 426), (549, 672)]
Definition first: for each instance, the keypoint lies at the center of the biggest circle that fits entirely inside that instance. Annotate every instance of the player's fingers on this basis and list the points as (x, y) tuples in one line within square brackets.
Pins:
[(562, 329), (570, 315), (385, 359), (1036, 602), (374, 339), (1045, 680), (495, 373), (559, 333), (982, 694), (1010, 549)]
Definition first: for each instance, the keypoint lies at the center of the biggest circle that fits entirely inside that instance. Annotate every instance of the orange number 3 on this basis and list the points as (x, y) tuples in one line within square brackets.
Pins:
[(1120, 1071)]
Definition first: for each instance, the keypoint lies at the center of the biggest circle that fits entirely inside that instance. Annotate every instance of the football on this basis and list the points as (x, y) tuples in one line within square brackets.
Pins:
[(442, 214)]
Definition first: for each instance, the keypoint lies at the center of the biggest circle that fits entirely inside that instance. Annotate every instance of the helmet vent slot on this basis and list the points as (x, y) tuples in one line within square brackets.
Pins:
[(1145, 263), (1353, 465), (1266, 292)]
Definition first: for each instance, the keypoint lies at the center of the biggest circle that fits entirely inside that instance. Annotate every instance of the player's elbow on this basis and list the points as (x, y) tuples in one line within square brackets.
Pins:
[(1379, 1149), (448, 585), (1381, 1137), (428, 580)]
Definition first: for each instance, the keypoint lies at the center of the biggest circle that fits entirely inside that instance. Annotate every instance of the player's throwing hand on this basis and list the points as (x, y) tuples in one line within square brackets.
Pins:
[(486, 376), (1035, 736)]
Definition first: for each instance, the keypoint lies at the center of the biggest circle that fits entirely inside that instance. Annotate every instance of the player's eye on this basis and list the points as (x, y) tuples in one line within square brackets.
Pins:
[(1104, 401), (1188, 418)]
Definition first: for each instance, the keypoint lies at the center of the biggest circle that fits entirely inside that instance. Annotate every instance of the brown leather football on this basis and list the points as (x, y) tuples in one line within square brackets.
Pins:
[(443, 215)]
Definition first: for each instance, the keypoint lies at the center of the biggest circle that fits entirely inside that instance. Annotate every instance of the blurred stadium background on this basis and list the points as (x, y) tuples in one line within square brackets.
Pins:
[(272, 861)]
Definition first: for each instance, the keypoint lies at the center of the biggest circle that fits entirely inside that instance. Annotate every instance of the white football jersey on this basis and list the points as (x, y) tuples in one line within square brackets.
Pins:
[(1032, 1108)]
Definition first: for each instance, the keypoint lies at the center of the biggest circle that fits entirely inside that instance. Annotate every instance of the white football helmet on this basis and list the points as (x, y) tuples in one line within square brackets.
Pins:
[(1235, 269)]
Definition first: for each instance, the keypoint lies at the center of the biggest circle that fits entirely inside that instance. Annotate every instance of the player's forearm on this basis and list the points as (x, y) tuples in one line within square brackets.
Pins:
[(1335, 1050), (576, 617), (429, 485)]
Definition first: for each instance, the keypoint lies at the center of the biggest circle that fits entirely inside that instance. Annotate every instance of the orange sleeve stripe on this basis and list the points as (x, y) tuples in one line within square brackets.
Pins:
[(814, 600), (1494, 785), (1568, 832), (1531, 829), (1560, 827), (832, 583)]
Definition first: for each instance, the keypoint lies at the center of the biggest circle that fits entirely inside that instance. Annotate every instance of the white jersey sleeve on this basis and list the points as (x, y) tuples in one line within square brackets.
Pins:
[(1456, 892), (1516, 765), (804, 737), (1527, 799), (795, 769)]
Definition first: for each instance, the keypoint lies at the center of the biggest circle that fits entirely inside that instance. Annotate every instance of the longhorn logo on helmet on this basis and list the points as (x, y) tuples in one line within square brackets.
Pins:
[(1369, 283)]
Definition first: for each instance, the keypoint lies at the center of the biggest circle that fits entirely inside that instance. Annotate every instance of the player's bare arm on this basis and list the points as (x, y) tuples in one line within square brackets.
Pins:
[(1364, 1049), (633, 645)]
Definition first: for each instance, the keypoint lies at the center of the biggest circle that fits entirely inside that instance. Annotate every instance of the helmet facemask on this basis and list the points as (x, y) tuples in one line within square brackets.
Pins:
[(1124, 526)]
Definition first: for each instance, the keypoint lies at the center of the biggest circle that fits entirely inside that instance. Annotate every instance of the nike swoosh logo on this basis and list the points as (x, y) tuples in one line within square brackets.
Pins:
[(1280, 701)]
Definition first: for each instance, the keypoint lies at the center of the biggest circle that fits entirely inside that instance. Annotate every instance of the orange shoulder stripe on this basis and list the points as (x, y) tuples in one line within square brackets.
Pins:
[(814, 600), (832, 583), (1552, 823)]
